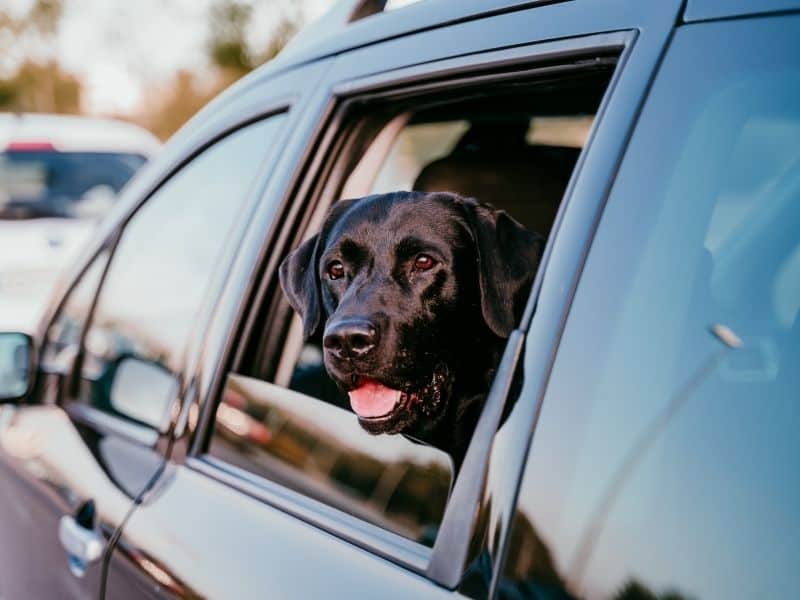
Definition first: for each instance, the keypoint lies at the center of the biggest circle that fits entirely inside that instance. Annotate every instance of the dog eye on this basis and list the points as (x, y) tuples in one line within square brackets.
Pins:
[(335, 269), (423, 262)]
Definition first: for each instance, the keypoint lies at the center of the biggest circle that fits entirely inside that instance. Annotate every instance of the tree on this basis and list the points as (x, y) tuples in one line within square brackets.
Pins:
[(227, 43), (36, 84)]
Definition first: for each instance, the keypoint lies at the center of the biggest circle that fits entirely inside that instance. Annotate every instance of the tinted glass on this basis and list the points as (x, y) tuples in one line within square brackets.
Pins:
[(666, 462), (64, 335), (321, 451), (166, 260), (61, 184)]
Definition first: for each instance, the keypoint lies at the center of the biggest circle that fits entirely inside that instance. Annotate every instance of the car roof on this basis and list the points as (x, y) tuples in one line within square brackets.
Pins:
[(68, 133), (354, 23)]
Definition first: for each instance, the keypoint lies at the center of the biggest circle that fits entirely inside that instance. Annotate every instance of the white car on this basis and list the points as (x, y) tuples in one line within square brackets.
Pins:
[(58, 175)]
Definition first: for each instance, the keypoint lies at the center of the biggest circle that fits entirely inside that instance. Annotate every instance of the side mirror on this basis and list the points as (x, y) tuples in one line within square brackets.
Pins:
[(145, 391), (16, 352)]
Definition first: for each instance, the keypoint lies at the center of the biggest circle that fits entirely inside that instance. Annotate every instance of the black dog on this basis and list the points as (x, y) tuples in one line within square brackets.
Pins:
[(415, 293)]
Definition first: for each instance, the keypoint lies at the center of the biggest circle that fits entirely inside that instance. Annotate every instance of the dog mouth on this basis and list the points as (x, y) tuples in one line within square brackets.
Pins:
[(383, 409)]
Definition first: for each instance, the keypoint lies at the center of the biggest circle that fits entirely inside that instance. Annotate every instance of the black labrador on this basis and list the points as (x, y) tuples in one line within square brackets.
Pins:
[(415, 294)]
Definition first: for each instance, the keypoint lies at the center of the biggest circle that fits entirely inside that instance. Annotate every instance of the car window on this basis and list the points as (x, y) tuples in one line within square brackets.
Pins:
[(47, 183), (284, 418), (161, 270), (64, 334), (666, 460)]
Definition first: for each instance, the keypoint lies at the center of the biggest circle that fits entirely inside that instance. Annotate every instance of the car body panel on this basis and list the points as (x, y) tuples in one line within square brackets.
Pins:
[(652, 503), (705, 10), (341, 30), (229, 545), (50, 467)]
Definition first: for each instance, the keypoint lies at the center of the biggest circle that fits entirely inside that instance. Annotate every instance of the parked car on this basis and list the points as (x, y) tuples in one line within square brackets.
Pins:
[(58, 175), (167, 433)]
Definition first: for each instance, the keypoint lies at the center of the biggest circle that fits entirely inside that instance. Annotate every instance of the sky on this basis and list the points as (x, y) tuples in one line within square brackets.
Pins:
[(121, 49)]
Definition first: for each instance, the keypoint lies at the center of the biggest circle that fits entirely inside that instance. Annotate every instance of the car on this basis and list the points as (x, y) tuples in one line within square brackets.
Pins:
[(58, 175), (167, 432)]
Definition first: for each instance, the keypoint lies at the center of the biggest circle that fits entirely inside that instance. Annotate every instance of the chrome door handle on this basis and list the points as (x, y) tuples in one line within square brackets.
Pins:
[(84, 546)]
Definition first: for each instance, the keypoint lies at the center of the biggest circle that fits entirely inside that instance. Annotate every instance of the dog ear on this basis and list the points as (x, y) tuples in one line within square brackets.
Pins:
[(508, 256), (298, 275)]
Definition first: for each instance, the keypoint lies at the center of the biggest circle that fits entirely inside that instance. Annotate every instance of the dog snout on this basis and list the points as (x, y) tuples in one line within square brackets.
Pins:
[(350, 338)]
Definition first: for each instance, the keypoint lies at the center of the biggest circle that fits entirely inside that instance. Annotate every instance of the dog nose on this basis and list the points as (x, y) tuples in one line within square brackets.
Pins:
[(350, 338)]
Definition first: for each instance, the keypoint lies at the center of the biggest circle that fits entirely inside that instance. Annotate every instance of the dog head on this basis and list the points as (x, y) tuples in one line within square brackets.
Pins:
[(412, 292)]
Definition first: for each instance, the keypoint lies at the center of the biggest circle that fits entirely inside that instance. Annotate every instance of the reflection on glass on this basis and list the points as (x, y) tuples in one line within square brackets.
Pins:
[(50, 183), (64, 335), (143, 391), (166, 259), (14, 365), (320, 451), (670, 468)]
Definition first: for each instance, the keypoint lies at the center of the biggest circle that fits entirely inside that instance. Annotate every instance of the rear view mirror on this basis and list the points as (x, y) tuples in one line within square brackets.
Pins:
[(15, 365), (144, 391)]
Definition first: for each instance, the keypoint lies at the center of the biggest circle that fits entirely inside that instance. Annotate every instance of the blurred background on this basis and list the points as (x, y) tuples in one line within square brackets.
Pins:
[(89, 90), (151, 62)]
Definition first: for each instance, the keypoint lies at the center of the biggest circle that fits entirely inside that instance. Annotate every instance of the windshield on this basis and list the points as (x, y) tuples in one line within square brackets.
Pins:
[(35, 184)]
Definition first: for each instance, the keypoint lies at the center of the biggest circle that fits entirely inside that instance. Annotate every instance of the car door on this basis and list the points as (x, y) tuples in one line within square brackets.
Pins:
[(665, 460), (226, 520), (79, 454)]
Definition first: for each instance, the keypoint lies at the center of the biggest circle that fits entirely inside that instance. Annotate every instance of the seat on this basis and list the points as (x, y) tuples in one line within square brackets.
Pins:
[(493, 163)]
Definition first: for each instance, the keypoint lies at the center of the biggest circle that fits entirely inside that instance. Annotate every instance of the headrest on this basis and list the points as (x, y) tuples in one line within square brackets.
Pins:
[(493, 163)]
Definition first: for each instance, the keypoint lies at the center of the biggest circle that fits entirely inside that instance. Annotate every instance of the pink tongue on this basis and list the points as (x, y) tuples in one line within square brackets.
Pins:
[(371, 399)]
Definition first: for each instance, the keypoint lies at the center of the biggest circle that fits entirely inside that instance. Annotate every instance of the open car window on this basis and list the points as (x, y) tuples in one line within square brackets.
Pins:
[(281, 416)]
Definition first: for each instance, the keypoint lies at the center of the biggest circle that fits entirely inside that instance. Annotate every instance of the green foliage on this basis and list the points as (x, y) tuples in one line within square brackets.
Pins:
[(32, 82), (41, 87), (36, 85), (231, 56), (227, 44)]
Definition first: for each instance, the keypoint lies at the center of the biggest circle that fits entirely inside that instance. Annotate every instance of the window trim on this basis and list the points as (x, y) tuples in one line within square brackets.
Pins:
[(109, 424), (301, 201)]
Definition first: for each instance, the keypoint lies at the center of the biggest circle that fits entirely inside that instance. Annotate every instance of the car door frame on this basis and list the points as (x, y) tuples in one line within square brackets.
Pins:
[(644, 34)]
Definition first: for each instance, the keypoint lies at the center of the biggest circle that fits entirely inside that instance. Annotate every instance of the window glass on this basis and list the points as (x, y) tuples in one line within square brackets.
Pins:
[(321, 451), (162, 268), (46, 183), (670, 467), (64, 336)]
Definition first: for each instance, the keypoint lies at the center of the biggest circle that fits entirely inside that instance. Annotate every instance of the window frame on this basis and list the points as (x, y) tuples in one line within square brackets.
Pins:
[(302, 203), (120, 426)]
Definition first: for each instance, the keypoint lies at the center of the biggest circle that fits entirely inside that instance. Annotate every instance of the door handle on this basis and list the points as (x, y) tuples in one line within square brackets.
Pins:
[(84, 545)]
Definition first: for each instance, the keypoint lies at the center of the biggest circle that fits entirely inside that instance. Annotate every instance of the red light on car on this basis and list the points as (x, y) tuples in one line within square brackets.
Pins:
[(30, 146)]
